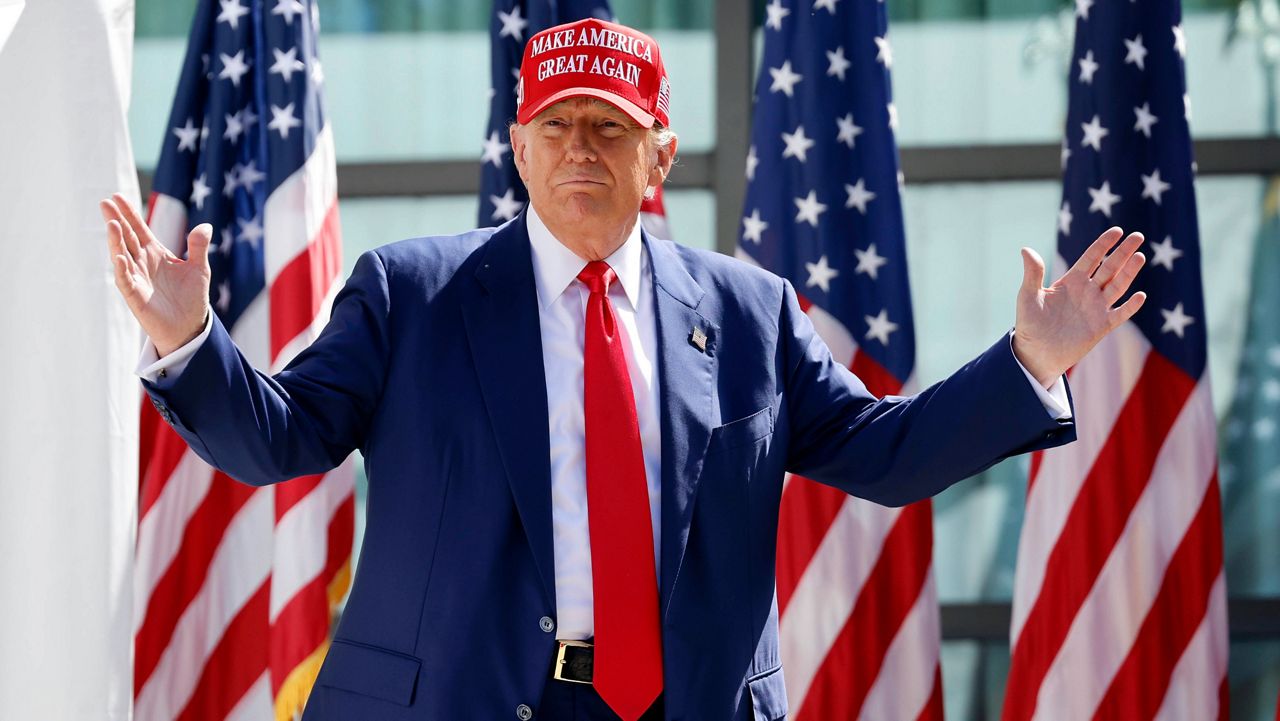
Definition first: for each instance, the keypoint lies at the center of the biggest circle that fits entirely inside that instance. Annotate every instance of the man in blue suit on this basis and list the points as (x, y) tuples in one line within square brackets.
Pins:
[(575, 433)]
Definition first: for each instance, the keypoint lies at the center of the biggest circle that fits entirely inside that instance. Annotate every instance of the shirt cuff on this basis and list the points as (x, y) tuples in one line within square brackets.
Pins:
[(152, 368), (1054, 399)]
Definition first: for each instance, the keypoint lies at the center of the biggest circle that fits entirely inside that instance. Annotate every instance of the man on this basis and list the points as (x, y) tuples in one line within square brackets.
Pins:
[(576, 434)]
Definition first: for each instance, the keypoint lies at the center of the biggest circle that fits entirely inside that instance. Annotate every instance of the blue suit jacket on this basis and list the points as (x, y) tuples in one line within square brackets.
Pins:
[(431, 365)]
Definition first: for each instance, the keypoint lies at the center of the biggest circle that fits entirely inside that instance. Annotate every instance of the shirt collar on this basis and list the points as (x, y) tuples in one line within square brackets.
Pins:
[(555, 267)]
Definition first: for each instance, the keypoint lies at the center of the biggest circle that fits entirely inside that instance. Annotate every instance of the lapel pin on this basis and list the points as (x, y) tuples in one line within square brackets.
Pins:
[(698, 339)]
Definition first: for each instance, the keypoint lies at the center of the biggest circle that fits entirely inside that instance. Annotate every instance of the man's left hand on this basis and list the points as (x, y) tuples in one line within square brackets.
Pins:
[(1058, 325)]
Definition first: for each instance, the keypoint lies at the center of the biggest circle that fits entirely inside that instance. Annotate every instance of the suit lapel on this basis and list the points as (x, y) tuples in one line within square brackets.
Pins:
[(686, 372), (501, 316)]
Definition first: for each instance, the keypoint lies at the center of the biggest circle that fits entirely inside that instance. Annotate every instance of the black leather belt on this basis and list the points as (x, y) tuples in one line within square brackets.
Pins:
[(574, 662)]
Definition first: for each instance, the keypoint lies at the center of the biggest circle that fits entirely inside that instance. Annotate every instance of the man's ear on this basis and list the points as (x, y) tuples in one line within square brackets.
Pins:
[(518, 147), (662, 168)]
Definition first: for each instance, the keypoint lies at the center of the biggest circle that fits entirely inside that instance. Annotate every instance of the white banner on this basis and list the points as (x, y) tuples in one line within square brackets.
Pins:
[(68, 399)]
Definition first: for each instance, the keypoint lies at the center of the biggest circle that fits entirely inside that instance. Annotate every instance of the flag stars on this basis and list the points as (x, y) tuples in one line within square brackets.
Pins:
[(753, 227), (513, 24), (1093, 134), (1136, 52), (808, 209), (820, 274), (879, 327), (1103, 199), (797, 144), (250, 175), (494, 150), (1153, 187), (776, 13), (1064, 218), (235, 127), (224, 296), (893, 116), (289, 9), (233, 67), (286, 64), (847, 131), (230, 12), (505, 207), (828, 5), (1186, 106), (869, 262), (752, 161), (187, 136), (784, 79), (199, 191), (1145, 119), (230, 181), (1066, 153), (884, 53), (227, 241), (1176, 321), (1082, 8), (837, 63), (250, 231), (317, 73), (1165, 253), (283, 120), (859, 196), (1180, 41), (1087, 68)]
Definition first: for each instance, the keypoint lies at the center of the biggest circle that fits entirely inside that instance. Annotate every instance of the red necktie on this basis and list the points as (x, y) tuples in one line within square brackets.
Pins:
[(628, 641)]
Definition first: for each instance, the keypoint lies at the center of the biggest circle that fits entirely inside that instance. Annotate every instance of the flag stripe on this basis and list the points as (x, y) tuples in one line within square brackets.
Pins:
[(1138, 688), (1205, 657), (161, 532), (900, 685), (1106, 624), (888, 595), (255, 705), (235, 573), (1095, 522), (305, 281), (301, 537), (227, 675), (828, 591), (184, 579), (1111, 371), (806, 511)]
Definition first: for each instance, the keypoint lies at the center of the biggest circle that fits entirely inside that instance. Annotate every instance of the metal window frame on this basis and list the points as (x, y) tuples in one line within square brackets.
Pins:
[(722, 172)]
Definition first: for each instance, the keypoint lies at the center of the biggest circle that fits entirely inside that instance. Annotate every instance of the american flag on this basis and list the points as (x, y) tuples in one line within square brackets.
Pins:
[(859, 613), (1119, 608), (502, 194), (235, 586)]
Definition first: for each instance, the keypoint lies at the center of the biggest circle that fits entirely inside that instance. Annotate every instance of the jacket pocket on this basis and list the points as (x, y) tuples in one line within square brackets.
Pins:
[(742, 432), (370, 671), (768, 696)]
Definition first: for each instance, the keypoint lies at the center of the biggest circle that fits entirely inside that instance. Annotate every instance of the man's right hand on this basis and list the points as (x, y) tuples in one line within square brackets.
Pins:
[(168, 295)]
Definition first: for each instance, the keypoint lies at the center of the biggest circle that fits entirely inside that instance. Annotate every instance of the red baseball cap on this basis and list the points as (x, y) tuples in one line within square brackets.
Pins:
[(598, 59)]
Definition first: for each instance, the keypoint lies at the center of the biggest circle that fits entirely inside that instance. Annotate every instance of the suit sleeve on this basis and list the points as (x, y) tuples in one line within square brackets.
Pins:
[(307, 419), (898, 450)]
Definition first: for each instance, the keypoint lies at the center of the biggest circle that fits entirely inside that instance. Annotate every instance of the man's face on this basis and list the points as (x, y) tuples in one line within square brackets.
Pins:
[(585, 161)]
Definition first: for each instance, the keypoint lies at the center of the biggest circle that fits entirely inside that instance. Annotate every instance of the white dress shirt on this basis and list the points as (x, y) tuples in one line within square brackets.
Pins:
[(562, 307)]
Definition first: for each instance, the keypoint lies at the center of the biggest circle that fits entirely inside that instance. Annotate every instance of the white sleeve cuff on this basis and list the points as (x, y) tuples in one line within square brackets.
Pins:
[(1054, 399), (151, 367)]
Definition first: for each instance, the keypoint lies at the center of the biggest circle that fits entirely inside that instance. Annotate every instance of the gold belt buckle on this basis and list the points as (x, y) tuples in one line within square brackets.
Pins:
[(560, 661)]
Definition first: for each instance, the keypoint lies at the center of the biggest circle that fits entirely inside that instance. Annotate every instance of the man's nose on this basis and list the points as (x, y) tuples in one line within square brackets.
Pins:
[(581, 148)]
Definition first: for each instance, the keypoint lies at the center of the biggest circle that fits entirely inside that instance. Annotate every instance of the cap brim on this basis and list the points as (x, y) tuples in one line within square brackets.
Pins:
[(646, 120)]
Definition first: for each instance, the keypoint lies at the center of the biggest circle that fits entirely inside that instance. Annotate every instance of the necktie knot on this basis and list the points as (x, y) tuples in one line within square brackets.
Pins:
[(597, 276)]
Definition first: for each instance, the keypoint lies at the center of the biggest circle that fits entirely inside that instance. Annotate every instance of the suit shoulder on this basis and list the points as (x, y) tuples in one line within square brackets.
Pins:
[(429, 260), (712, 269)]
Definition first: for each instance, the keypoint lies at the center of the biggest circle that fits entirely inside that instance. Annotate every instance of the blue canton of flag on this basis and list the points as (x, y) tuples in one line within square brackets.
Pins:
[(823, 207), (245, 117), (1127, 162), (502, 194)]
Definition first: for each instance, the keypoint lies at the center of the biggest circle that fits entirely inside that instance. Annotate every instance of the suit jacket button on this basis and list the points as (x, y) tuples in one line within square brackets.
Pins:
[(523, 712), (546, 624)]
